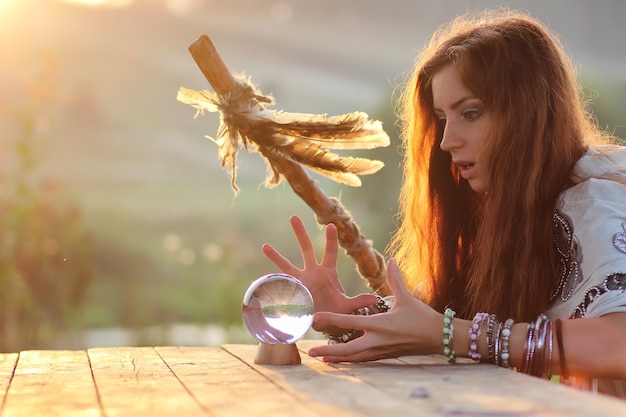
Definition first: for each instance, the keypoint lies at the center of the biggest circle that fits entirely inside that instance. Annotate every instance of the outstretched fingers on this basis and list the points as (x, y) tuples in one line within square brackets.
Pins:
[(386, 334), (394, 278), (279, 260), (304, 240), (306, 247), (332, 246)]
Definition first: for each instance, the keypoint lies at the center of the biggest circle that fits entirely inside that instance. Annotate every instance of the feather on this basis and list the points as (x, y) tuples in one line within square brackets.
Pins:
[(348, 131), (312, 155), (299, 137), (332, 166), (201, 100), (306, 152)]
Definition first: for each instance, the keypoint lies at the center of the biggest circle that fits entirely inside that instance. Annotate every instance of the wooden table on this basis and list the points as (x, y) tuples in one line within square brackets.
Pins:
[(196, 381)]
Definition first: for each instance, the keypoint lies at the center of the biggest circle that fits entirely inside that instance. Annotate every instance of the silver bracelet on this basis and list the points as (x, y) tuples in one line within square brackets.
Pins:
[(542, 327), (550, 347), (497, 344), (382, 305)]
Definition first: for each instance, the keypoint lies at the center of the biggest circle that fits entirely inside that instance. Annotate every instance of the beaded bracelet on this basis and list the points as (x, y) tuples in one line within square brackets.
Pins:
[(344, 337), (382, 305), (506, 335), (474, 334), (490, 347), (448, 335), (539, 335)]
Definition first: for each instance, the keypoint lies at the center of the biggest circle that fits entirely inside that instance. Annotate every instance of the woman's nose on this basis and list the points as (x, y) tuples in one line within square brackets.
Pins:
[(451, 138)]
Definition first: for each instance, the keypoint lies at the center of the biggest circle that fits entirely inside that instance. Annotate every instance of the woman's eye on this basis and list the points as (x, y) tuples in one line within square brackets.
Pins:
[(471, 114), (442, 121)]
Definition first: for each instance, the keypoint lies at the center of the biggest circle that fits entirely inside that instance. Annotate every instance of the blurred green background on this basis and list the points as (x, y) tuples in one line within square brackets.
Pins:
[(117, 224)]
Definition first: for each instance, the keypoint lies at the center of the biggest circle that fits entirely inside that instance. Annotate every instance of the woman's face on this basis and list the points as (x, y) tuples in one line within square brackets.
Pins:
[(466, 125)]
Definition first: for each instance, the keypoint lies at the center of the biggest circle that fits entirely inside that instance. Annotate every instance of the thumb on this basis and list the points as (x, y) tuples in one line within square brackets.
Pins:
[(396, 283), (361, 300)]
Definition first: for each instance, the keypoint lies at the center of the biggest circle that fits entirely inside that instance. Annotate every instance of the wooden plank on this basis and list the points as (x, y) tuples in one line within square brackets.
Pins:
[(485, 386), (7, 367), (52, 383), (199, 381), (468, 388), (135, 382), (318, 384), (229, 387)]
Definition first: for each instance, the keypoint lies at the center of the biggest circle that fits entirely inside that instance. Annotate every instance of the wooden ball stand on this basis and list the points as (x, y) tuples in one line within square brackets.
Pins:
[(279, 354)]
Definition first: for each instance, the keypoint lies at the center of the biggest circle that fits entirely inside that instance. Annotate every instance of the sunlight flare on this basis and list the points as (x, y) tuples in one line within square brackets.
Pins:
[(96, 3), (4, 4)]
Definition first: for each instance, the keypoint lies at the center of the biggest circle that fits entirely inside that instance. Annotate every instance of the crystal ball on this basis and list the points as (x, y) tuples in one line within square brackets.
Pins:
[(277, 309)]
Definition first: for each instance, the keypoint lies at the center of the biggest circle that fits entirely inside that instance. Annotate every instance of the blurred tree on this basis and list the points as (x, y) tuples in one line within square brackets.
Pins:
[(45, 253), (608, 104)]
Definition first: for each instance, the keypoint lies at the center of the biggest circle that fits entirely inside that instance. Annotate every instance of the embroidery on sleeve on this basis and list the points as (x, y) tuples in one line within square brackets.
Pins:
[(568, 270), (619, 239), (613, 282)]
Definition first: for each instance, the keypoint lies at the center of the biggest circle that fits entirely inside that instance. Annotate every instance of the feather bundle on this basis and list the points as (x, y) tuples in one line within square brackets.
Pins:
[(299, 137)]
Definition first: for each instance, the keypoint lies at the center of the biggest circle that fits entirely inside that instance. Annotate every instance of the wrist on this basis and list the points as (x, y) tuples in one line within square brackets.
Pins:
[(526, 347), (456, 338), (461, 339)]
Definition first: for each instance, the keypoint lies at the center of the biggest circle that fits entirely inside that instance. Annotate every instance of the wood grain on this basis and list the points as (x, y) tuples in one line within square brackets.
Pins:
[(209, 381), (7, 367), (52, 383), (135, 381), (228, 387)]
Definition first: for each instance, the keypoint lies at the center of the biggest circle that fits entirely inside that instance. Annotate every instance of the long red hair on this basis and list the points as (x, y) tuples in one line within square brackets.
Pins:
[(490, 252)]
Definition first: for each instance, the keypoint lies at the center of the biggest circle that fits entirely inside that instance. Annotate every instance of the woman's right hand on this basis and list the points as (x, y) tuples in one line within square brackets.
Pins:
[(321, 279), (410, 327)]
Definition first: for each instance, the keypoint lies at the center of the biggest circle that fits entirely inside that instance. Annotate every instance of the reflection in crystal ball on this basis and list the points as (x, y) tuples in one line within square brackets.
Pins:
[(277, 309)]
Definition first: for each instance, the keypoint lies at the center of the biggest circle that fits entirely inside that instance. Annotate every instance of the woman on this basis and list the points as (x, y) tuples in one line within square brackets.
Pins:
[(513, 218)]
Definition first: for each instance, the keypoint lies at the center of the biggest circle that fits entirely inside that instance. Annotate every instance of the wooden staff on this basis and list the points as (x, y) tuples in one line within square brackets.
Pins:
[(370, 263)]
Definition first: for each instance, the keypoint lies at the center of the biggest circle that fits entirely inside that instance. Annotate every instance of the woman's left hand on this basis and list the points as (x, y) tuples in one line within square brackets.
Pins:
[(410, 328)]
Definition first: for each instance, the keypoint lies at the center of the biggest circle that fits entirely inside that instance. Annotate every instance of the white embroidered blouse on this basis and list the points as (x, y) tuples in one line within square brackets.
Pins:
[(590, 235)]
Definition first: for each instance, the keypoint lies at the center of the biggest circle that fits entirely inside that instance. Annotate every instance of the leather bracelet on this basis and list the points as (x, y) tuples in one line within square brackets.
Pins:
[(559, 342)]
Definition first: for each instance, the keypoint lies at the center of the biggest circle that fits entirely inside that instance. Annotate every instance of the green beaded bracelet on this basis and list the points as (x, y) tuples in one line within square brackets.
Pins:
[(448, 335)]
